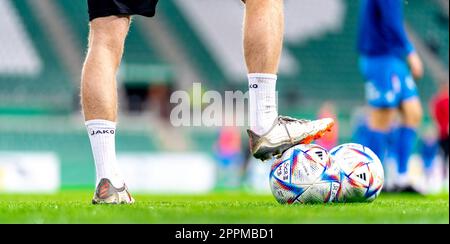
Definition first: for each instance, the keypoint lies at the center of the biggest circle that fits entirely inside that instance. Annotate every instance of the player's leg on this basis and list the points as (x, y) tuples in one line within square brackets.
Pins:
[(379, 130), (383, 102), (411, 116), (99, 91), (411, 113), (110, 22), (444, 145), (99, 102), (263, 35), (263, 41)]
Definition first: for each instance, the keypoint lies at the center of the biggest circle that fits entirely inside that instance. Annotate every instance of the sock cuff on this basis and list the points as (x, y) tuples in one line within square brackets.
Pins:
[(100, 123), (262, 76)]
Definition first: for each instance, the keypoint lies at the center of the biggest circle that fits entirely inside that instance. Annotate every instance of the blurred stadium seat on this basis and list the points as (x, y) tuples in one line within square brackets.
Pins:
[(17, 52), (48, 90), (430, 22)]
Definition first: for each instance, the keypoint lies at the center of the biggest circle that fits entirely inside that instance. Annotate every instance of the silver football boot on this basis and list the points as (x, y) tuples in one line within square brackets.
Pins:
[(285, 133), (106, 193)]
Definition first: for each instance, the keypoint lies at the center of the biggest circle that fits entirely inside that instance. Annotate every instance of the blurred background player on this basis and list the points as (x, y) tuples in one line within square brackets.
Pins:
[(439, 107), (389, 64), (269, 133), (229, 156), (429, 151), (331, 139)]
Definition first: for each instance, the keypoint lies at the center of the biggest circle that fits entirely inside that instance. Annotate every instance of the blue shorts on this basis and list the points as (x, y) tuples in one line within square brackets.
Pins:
[(388, 81)]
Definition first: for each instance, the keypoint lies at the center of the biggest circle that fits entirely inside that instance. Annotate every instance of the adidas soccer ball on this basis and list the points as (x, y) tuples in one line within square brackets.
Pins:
[(362, 173), (304, 174)]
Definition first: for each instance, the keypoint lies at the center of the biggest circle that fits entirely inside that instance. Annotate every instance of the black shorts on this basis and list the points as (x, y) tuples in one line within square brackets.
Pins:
[(104, 8)]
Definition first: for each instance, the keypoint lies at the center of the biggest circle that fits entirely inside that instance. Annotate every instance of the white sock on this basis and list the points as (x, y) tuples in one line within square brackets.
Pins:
[(102, 136), (263, 108)]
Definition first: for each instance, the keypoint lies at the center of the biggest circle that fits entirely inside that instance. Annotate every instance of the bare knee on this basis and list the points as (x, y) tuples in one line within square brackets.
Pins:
[(108, 35), (412, 113), (381, 119)]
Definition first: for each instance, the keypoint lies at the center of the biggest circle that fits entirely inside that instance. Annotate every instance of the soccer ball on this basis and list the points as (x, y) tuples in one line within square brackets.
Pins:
[(304, 174), (362, 173)]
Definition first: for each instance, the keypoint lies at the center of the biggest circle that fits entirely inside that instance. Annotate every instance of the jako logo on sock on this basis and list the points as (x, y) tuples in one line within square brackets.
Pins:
[(101, 132)]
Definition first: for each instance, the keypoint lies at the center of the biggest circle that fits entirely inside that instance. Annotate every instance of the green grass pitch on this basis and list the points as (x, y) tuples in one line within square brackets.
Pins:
[(75, 207)]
